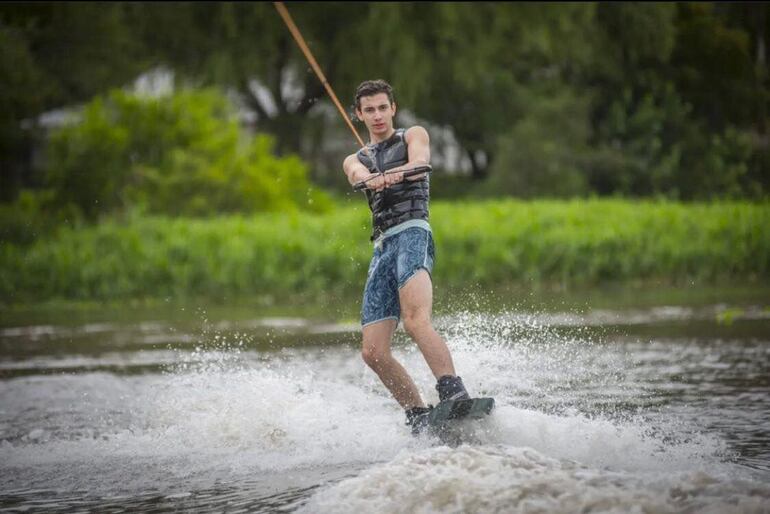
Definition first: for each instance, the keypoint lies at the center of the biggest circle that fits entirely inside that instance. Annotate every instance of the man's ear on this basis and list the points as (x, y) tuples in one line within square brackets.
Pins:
[(393, 105), (359, 114)]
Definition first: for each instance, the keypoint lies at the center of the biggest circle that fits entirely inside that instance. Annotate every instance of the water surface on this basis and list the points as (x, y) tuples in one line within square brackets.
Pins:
[(655, 407)]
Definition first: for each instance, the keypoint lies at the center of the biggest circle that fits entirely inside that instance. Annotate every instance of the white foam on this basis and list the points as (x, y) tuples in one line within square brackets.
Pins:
[(509, 479)]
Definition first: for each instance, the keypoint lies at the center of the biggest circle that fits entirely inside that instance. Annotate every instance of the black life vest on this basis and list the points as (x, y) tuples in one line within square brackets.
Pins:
[(400, 202)]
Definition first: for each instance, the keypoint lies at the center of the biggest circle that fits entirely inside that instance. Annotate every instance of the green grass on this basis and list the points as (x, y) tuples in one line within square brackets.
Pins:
[(478, 244)]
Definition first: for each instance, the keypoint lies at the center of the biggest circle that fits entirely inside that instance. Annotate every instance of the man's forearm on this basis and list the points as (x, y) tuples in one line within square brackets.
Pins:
[(357, 175), (416, 163)]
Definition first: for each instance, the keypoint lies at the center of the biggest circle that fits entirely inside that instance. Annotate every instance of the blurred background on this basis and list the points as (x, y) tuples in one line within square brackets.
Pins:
[(120, 119)]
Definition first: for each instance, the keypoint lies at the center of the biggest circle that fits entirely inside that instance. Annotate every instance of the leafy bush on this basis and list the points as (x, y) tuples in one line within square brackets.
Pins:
[(33, 215), (183, 154)]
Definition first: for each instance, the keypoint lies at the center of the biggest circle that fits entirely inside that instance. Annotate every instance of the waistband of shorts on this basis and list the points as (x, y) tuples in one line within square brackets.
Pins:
[(392, 231)]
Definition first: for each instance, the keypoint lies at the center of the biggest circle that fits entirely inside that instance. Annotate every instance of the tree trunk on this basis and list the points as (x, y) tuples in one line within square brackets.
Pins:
[(479, 168)]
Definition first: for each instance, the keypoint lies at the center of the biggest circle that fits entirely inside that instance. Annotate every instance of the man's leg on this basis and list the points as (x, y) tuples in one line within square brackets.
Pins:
[(416, 298), (376, 353)]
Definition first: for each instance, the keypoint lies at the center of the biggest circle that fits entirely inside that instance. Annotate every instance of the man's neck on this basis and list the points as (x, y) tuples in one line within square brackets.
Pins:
[(379, 139)]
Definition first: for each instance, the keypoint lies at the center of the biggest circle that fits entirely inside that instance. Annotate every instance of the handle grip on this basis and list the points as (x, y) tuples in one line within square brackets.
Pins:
[(360, 186)]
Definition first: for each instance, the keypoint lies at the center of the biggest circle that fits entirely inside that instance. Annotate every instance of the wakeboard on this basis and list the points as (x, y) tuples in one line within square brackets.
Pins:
[(444, 419), (450, 410)]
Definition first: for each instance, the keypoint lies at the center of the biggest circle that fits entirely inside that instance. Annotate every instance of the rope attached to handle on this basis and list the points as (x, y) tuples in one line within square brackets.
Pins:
[(309, 56)]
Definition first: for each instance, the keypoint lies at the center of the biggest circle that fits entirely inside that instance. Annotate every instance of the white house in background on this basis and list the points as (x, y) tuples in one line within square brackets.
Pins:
[(154, 83)]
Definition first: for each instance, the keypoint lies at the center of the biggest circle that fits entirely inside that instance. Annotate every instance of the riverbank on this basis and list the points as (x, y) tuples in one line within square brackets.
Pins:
[(536, 245)]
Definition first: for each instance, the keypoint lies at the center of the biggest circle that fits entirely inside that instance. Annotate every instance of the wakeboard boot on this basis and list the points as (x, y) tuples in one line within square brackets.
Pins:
[(451, 387)]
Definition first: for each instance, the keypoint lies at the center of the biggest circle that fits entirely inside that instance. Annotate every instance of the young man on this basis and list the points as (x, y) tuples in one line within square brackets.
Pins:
[(398, 284)]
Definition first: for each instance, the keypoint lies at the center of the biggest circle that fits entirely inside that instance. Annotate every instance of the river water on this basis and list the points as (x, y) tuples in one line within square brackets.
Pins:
[(620, 408)]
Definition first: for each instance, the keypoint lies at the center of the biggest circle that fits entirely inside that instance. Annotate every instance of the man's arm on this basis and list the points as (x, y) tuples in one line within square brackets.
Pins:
[(356, 172), (418, 142)]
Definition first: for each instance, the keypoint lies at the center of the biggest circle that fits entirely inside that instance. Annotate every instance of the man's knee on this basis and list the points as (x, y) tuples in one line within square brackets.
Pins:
[(416, 320), (374, 356)]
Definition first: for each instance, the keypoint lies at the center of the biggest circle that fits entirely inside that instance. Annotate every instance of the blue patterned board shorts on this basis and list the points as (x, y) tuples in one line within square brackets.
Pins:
[(394, 262)]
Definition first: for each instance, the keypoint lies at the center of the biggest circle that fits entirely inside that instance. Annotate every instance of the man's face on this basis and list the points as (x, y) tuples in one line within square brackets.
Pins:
[(377, 113)]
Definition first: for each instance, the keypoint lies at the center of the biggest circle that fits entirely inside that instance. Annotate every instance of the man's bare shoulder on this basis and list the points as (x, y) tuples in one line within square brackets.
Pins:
[(351, 159), (416, 133), (353, 165)]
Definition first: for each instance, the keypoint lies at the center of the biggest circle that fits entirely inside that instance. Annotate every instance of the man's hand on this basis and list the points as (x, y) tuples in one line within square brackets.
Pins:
[(376, 182), (393, 177), (380, 181)]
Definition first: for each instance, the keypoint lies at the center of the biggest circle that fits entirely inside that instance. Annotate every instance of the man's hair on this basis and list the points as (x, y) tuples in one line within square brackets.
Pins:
[(371, 88)]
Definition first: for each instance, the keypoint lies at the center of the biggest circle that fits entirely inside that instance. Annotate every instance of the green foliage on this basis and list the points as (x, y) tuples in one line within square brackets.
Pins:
[(184, 154), (478, 244), (670, 115), (23, 83), (728, 316), (720, 167), (660, 97), (653, 148), (268, 254), (239, 44), (638, 34), (543, 153), (476, 66), (587, 242), (641, 144), (33, 215), (52, 55), (713, 65)]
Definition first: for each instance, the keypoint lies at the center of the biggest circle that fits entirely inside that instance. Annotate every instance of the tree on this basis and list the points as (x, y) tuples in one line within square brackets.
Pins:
[(54, 54), (667, 90), (677, 93), (245, 46), (470, 66)]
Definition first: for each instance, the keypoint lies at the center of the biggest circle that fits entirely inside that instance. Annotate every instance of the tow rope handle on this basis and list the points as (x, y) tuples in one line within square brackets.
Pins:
[(360, 186)]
